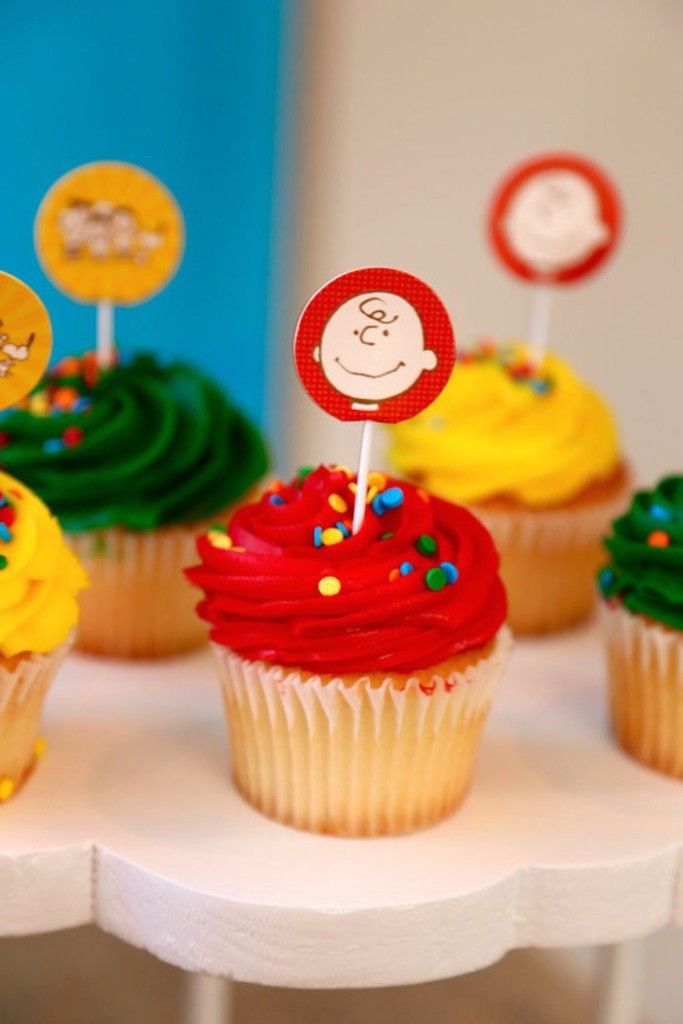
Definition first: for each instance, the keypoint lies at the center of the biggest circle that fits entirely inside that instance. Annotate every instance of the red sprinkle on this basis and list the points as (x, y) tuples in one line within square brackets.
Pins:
[(4, 438), (7, 515), (72, 436)]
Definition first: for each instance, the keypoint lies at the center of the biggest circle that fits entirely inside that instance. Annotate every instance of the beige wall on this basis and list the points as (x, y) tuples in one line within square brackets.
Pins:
[(412, 110)]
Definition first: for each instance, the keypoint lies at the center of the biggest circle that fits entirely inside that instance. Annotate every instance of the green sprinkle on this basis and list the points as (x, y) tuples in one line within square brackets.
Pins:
[(3, 562), (386, 536), (426, 544), (436, 578), (304, 471), (221, 527)]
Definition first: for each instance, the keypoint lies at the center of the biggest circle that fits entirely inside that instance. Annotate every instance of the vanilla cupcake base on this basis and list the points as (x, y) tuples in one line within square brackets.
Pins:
[(139, 604), (645, 672), (357, 757), (24, 682), (548, 560)]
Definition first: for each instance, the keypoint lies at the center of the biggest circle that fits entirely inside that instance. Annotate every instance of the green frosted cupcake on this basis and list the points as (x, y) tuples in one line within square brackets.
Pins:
[(643, 616), (134, 461)]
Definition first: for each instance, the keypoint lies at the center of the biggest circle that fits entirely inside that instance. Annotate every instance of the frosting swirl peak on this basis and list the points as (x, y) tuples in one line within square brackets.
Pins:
[(500, 428), (139, 445), (646, 547), (39, 576), (287, 582)]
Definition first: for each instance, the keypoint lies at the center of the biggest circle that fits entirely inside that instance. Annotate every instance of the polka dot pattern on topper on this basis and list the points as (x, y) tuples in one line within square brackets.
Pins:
[(374, 344), (555, 219), (109, 232)]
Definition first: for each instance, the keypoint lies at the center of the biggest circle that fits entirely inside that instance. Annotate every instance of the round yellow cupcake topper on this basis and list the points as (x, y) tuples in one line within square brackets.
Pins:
[(25, 339), (109, 232)]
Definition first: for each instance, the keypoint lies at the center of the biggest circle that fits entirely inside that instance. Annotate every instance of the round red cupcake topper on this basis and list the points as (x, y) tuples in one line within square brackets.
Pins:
[(555, 218), (374, 344)]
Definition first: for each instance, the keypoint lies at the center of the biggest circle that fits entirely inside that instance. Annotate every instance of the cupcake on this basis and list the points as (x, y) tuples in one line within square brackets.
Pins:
[(134, 461), (39, 580), (535, 455), (643, 617), (357, 670)]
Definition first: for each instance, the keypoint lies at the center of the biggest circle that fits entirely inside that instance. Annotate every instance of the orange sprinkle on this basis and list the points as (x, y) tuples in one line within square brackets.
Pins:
[(394, 575), (659, 539)]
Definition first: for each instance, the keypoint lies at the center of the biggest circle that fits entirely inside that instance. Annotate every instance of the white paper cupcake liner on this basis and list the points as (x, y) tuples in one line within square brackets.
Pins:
[(139, 603), (645, 671), (22, 693), (368, 758), (553, 528)]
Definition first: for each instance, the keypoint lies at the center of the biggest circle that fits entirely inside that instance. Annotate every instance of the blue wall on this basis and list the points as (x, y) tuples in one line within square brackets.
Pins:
[(187, 90)]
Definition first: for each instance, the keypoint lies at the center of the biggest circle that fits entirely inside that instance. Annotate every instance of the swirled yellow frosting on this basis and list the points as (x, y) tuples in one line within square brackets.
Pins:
[(502, 428), (39, 576)]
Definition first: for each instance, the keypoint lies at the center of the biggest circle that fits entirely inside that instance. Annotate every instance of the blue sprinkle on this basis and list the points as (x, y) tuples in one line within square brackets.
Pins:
[(392, 497), (275, 499), (378, 505), (318, 536), (606, 577), (452, 572), (661, 512), (3, 502), (4, 532), (53, 444), (82, 405), (344, 529), (405, 568), (541, 387)]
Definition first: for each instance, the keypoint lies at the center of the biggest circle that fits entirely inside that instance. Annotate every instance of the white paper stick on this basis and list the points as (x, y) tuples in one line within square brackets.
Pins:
[(362, 478), (105, 332), (539, 322)]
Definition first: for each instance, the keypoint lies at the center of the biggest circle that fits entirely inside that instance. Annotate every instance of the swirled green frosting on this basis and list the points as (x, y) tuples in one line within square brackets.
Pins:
[(646, 547), (140, 445)]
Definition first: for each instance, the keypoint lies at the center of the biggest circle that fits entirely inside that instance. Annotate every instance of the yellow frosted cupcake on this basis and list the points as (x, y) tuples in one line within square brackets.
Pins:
[(39, 581), (535, 453)]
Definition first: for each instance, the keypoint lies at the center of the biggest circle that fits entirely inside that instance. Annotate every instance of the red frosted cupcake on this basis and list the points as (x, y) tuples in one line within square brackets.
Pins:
[(357, 671)]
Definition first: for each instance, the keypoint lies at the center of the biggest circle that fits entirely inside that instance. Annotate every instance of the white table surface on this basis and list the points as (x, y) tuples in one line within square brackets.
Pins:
[(131, 821)]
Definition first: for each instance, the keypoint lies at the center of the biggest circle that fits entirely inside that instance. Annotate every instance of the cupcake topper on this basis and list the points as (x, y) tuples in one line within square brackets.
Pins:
[(25, 339), (110, 234), (554, 219), (374, 344)]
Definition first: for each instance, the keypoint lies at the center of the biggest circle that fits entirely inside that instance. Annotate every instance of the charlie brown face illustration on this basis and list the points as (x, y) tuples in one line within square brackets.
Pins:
[(373, 348), (553, 221)]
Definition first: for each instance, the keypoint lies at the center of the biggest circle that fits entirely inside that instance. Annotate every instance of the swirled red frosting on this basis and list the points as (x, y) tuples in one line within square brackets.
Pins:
[(287, 582)]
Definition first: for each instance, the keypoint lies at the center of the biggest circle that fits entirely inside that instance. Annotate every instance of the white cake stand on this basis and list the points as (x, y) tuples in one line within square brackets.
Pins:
[(131, 822)]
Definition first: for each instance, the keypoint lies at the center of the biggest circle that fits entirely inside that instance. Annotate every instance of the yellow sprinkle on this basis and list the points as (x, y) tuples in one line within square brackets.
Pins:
[(39, 404), (6, 788), (331, 536), (337, 503), (329, 586), (219, 539), (342, 469), (377, 480), (39, 747), (352, 487), (372, 493)]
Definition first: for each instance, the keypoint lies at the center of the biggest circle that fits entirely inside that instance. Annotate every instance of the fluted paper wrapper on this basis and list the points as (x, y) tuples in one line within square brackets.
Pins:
[(24, 682), (356, 759), (549, 558), (645, 672), (139, 603)]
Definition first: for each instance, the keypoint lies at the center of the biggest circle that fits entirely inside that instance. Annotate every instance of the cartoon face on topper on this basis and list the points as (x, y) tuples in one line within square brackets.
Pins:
[(555, 219), (25, 339), (375, 343)]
